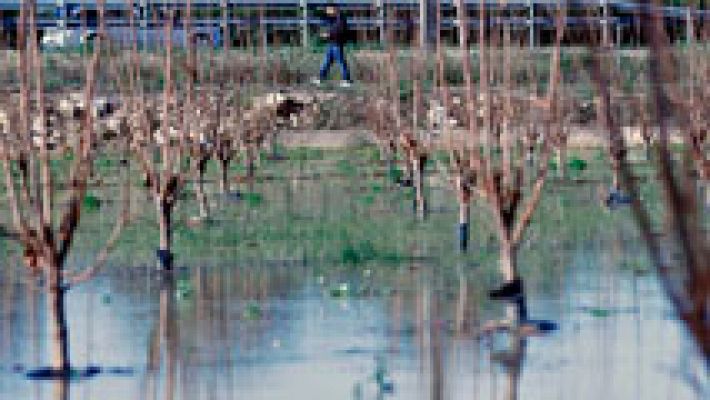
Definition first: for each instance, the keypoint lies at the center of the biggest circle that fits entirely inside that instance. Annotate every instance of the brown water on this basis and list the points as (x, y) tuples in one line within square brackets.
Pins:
[(287, 322)]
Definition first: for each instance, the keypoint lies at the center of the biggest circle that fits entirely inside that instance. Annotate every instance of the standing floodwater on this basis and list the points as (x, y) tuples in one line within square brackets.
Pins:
[(406, 318), (499, 201)]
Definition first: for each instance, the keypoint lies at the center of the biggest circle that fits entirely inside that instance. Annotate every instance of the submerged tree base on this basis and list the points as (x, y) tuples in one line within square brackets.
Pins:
[(616, 198), (463, 237), (512, 290), (165, 259)]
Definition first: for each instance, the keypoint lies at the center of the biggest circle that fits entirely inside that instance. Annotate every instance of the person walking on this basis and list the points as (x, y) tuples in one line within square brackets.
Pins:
[(337, 35)]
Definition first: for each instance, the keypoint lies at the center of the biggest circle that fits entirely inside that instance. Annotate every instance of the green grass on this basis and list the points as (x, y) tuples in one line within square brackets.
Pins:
[(355, 220)]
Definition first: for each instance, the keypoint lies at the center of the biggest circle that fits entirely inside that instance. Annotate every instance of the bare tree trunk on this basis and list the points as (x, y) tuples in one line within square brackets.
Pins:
[(508, 260), (464, 211), (202, 197), (530, 147), (388, 156), (615, 178), (164, 209), (562, 161), (200, 190), (409, 172), (418, 168), (224, 176), (646, 135), (147, 182), (250, 159), (505, 140), (58, 331)]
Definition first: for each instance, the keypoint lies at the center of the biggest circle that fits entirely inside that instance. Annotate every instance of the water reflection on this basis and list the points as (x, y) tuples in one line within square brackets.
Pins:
[(511, 354), (163, 343), (274, 326), (61, 389), (292, 337)]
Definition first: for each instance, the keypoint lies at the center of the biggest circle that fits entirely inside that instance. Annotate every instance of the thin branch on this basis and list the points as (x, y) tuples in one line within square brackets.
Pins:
[(535, 195), (121, 222), (18, 221)]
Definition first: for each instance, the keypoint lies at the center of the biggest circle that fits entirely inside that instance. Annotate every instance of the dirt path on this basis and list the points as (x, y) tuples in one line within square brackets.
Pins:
[(580, 137)]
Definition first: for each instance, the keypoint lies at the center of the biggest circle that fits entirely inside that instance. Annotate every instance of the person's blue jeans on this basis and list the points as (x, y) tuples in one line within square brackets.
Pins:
[(335, 53)]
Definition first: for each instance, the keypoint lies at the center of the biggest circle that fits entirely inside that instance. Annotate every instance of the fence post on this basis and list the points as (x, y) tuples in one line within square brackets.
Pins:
[(531, 23), (143, 22), (304, 23), (380, 8), (61, 14), (689, 33), (605, 23), (427, 23)]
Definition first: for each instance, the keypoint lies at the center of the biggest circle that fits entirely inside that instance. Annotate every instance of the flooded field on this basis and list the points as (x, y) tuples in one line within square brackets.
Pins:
[(499, 201), (317, 280)]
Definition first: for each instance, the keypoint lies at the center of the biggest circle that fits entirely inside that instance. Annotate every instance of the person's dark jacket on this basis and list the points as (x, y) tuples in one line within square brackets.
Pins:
[(338, 30)]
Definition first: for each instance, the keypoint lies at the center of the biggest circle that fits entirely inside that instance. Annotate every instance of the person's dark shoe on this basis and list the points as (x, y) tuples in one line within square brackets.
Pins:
[(508, 291)]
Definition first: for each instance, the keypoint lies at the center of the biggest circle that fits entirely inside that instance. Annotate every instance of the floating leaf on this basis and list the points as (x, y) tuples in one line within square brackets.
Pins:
[(374, 154), (183, 288), (342, 290), (599, 312), (92, 202), (306, 154), (253, 199), (577, 164), (350, 255), (356, 253), (252, 311), (368, 199), (395, 174), (345, 167), (104, 163)]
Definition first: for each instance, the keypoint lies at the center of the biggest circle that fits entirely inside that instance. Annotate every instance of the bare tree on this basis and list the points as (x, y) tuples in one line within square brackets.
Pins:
[(494, 168), (413, 148), (35, 208), (224, 138), (164, 137), (681, 255)]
